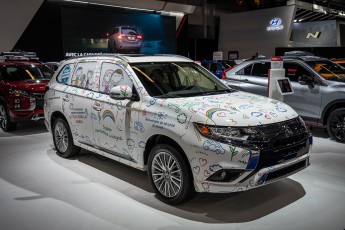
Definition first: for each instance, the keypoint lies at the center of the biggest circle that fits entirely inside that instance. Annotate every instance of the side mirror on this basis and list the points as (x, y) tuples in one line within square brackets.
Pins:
[(305, 80), (121, 92)]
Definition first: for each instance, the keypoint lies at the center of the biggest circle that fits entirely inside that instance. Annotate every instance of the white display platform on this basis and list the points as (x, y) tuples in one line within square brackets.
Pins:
[(40, 190)]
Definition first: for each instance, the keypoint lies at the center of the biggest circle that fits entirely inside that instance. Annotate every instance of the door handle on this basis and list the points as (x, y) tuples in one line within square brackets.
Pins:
[(98, 108), (246, 80)]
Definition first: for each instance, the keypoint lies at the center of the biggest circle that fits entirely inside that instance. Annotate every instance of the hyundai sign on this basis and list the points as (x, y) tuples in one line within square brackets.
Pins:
[(275, 24)]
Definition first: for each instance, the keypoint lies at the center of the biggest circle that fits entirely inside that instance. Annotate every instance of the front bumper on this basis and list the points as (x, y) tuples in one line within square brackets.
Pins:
[(26, 116), (241, 169), (258, 178)]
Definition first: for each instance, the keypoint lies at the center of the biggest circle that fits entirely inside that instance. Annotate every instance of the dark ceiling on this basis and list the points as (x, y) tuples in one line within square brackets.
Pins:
[(245, 5)]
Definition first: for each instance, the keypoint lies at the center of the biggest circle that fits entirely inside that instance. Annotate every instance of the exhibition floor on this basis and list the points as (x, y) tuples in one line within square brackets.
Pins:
[(39, 190)]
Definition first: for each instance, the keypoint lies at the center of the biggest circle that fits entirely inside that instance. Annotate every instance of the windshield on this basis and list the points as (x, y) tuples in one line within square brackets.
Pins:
[(329, 70), (179, 79), (11, 73)]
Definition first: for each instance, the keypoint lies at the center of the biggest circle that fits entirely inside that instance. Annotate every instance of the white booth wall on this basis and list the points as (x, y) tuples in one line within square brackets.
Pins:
[(247, 32)]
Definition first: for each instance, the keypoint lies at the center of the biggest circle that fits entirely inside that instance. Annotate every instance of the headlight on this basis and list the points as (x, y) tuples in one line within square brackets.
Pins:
[(224, 134), (302, 122)]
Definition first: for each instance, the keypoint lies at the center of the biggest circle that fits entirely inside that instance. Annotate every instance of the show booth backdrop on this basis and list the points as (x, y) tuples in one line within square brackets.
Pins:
[(318, 33), (87, 30), (61, 29), (257, 31)]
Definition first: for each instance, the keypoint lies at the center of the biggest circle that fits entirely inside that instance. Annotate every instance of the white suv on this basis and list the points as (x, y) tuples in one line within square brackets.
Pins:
[(124, 38), (169, 116)]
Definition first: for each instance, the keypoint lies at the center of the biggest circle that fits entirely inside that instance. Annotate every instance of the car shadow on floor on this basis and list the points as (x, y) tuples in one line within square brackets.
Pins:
[(319, 132), (204, 207), (24, 129)]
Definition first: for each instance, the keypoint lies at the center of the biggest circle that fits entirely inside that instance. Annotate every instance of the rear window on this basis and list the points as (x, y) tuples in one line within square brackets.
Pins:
[(129, 30)]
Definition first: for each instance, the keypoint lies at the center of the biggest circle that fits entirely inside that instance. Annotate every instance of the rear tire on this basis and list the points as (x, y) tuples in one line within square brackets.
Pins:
[(63, 139), (170, 175), (336, 125), (5, 121)]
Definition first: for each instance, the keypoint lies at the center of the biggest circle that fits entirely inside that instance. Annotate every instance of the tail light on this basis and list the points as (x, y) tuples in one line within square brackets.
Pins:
[(139, 37), (120, 36), (224, 73)]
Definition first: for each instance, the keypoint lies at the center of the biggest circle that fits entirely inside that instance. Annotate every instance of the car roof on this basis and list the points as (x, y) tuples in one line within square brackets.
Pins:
[(139, 58), (286, 58)]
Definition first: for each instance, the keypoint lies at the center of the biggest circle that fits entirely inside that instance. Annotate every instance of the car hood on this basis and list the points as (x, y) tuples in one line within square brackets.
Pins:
[(233, 109), (30, 85)]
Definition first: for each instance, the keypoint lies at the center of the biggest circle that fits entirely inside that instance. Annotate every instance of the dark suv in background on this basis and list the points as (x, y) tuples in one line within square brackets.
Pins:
[(22, 85), (318, 84)]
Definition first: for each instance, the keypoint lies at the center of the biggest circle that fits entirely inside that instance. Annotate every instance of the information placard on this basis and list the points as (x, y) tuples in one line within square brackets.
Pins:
[(284, 86)]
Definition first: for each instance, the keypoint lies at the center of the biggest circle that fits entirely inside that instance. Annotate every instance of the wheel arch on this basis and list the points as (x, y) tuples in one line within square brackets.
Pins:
[(336, 104), (54, 116), (162, 139)]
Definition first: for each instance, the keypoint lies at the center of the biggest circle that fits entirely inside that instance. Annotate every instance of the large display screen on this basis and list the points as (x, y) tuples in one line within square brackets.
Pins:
[(88, 30)]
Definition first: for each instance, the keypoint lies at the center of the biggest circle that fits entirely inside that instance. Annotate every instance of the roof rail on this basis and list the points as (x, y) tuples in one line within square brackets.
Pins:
[(121, 56), (18, 56), (174, 55), (298, 53)]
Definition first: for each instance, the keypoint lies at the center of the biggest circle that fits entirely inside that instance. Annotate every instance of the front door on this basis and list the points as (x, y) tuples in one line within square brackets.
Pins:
[(110, 118), (306, 99)]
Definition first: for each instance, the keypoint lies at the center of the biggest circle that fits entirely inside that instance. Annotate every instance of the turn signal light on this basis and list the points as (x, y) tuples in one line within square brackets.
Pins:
[(204, 130)]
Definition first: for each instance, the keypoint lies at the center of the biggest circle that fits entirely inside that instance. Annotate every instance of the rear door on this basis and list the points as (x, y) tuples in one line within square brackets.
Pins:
[(254, 78), (77, 101)]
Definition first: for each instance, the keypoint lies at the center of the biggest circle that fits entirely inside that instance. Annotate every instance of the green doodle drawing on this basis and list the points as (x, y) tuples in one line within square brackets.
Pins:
[(233, 152)]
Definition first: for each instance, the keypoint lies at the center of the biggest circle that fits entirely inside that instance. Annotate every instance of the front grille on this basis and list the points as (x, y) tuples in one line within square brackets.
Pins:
[(39, 96), (278, 134), (280, 142)]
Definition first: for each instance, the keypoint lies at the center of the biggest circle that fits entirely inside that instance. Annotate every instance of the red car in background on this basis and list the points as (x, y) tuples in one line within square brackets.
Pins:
[(22, 86)]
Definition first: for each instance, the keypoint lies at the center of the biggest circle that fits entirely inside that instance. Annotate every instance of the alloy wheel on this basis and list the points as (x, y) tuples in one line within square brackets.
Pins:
[(3, 117), (166, 174), (61, 137), (338, 126)]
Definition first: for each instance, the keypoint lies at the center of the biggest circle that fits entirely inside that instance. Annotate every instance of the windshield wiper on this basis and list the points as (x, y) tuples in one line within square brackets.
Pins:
[(218, 91), (167, 96)]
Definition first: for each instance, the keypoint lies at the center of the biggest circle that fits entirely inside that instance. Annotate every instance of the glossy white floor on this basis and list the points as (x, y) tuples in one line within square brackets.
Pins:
[(40, 191)]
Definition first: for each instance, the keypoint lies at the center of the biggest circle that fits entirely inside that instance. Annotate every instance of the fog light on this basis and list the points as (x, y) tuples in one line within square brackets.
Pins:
[(226, 175), (223, 175)]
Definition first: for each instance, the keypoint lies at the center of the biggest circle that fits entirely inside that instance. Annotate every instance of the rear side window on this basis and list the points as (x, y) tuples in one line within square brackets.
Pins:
[(83, 75), (246, 70), (261, 69), (65, 74)]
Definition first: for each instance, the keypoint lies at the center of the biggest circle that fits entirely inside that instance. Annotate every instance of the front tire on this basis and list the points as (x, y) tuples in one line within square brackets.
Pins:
[(63, 140), (336, 125), (5, 121), (169, 175)]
